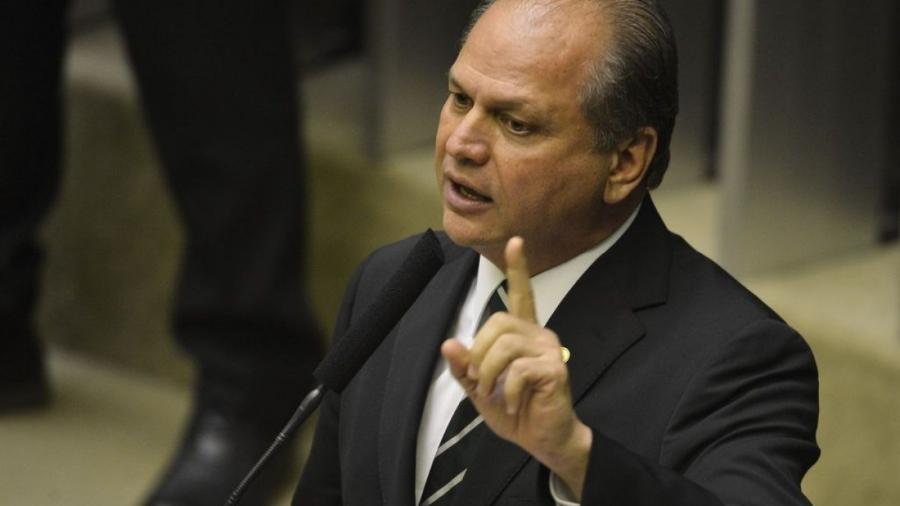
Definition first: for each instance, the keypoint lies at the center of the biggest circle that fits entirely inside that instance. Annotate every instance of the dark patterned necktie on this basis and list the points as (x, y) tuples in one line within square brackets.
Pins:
[(460, 440)]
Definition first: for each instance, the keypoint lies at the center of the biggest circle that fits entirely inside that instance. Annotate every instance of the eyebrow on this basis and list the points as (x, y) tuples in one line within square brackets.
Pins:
[(453, 82), (505, 105)]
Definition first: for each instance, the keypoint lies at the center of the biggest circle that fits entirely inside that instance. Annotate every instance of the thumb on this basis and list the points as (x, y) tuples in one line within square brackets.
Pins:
[(458, 358)]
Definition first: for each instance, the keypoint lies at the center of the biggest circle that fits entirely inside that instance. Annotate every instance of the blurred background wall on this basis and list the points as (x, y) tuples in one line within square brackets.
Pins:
[(785, 169)]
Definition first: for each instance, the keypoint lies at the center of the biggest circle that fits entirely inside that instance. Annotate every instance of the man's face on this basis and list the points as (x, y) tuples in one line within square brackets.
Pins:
[(513, 152)]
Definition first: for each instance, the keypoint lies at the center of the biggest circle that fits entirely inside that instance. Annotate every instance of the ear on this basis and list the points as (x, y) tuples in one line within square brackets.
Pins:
[(629, 164)]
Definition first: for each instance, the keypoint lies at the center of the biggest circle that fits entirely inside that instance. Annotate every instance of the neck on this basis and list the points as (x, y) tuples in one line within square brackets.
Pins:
[(554, 251)]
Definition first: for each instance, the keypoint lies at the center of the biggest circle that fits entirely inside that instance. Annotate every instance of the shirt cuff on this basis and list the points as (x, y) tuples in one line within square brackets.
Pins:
[(561, 493)]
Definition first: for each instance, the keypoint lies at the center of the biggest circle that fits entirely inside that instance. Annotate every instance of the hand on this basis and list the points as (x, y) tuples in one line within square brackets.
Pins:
[(516, 378)]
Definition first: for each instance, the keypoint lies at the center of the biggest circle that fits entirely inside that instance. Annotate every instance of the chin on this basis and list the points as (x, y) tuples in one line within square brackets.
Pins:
[(461, 231), (461, 237), (465, 233)]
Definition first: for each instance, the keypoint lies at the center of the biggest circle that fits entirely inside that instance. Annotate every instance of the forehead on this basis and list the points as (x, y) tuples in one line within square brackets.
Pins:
[(534, 45)]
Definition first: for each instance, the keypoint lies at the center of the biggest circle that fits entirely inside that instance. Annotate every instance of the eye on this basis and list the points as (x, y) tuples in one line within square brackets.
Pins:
[(516, 127), (460, 100)]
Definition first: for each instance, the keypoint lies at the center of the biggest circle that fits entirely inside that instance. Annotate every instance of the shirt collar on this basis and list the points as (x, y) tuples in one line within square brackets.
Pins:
[(550, 286)]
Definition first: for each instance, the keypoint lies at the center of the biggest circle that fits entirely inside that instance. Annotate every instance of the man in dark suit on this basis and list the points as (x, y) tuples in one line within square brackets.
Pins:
[(625, 368)]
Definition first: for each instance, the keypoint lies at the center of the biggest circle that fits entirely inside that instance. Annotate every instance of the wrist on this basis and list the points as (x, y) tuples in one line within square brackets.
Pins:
[(570, 462)]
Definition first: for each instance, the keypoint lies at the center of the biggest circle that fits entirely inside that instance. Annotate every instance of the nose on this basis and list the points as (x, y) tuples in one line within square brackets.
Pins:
[(468, 143)]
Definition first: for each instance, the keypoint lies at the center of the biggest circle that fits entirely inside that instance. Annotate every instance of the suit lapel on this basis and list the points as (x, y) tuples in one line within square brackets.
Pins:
[(596, 325), (416, 343), (596, 321)]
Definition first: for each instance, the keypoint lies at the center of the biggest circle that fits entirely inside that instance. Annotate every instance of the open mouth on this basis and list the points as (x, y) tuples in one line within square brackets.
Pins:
[(469, 193)]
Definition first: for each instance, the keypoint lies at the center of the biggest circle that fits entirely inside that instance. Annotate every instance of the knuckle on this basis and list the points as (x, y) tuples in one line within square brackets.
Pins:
[(497, 320), (508, 342), (518, 368), (549, 336), (559, 370)]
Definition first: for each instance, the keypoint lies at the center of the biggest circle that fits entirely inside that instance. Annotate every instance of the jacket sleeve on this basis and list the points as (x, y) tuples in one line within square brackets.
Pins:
[(743, 432)]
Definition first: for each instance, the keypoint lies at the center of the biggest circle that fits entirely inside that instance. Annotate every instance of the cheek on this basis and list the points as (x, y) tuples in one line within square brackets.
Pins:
[(536, 192), (440, 142), (525, 194), (446, 124)]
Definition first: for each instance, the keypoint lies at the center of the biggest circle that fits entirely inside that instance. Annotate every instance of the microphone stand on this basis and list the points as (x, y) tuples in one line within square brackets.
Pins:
[(306, 408), (360, 341)]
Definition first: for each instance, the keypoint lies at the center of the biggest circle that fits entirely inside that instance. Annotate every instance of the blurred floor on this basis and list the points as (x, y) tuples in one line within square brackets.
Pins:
[(109, 431), (107, 435)]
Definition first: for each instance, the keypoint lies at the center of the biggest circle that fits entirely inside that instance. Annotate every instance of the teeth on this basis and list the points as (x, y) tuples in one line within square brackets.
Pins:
[(469, 194)]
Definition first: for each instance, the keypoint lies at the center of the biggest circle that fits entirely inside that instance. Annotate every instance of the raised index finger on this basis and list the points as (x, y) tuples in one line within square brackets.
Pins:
[(518, 278)]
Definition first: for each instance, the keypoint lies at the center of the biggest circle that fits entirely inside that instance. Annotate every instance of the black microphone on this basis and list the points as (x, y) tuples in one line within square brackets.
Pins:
[(360, 341)]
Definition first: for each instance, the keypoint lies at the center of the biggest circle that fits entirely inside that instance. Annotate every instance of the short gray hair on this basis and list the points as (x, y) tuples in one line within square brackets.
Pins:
[(635, 84)]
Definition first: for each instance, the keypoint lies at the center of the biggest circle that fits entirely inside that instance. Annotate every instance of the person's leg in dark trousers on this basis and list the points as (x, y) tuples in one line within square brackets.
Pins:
[(31, 47), (218, 85)]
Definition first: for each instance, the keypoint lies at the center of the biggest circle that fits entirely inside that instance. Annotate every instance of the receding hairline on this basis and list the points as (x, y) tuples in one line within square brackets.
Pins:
[(597, 6), (604, 27), (558, 8)]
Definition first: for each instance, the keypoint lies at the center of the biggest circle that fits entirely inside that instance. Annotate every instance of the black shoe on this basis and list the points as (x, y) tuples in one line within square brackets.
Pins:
[(25, 394), (216, 453), (235, 420), (23, 380)]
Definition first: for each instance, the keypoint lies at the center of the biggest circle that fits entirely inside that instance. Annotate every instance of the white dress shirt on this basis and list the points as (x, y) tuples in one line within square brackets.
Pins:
[(549, 288)]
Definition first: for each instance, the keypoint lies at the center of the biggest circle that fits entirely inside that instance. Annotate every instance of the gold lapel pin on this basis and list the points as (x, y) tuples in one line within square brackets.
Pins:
[(565, 354)]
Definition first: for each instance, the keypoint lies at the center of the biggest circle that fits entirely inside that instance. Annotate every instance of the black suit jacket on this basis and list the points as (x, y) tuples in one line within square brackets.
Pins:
[(697, 393)]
